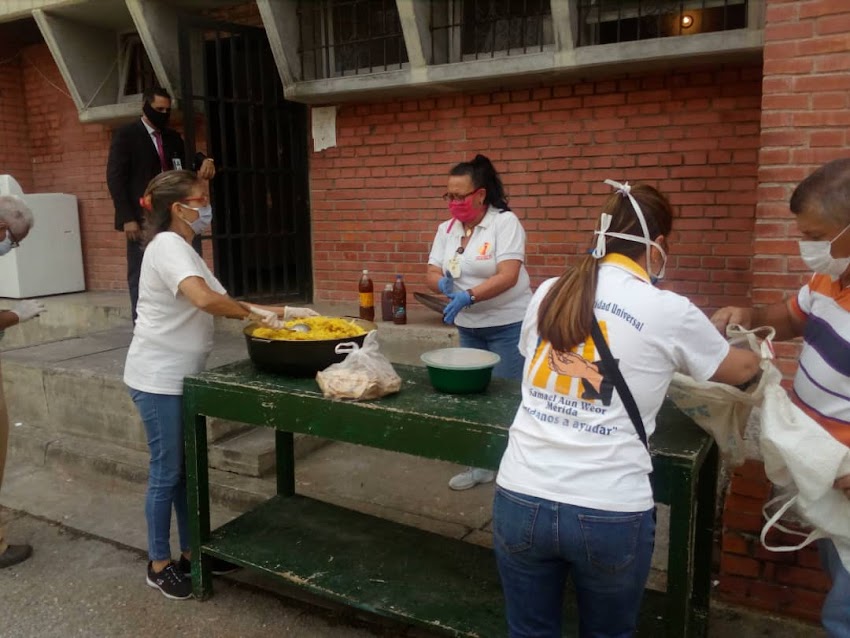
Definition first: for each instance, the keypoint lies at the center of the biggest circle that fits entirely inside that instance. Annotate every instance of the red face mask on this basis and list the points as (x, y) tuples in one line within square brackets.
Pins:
[(464, 211)]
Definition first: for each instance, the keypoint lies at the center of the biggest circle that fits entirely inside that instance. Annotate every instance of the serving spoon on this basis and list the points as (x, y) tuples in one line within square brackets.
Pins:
[(298, 327)]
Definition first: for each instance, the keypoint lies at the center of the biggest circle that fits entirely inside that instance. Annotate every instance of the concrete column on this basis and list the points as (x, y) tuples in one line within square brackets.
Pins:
[(280, 19), (156, 23), (755, 14), (414, 16), (564, 13)]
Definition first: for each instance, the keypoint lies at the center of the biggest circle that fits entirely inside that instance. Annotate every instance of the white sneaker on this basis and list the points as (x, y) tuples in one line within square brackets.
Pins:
[(472, 477)]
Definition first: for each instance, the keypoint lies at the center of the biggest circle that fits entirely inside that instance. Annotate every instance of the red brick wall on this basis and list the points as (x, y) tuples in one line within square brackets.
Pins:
[(804, 124), (376, 196), (15, 158), (787, 583), (70, 157), (805, 118), (65, 155)]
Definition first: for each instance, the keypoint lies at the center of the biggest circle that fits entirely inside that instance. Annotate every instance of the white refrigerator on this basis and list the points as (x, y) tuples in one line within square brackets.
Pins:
[(50, 260)]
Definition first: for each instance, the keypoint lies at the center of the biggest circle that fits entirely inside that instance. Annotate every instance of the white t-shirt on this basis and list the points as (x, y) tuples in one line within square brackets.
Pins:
[(173, 338), (496, 238), (572, 440)]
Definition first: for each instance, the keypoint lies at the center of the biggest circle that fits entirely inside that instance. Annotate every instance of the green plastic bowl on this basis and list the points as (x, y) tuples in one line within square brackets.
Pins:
[(460, 370)]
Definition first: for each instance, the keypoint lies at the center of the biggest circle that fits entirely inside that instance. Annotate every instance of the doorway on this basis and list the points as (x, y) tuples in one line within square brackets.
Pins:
[(232, 99)]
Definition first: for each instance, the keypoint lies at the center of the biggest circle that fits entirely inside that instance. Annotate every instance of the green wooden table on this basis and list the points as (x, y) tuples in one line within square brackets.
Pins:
[(401, 572)]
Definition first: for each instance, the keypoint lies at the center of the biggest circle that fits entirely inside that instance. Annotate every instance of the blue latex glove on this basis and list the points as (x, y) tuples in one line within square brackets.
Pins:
[(459, 301), (447, 284)]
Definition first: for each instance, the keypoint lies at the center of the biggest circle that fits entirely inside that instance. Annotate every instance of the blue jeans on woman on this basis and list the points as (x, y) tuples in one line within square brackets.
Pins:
[(835, 614), (162, 415), (503, 340), (539, 542)]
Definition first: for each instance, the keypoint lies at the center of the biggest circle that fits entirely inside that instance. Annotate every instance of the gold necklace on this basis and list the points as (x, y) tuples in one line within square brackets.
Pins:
[(468, 231)]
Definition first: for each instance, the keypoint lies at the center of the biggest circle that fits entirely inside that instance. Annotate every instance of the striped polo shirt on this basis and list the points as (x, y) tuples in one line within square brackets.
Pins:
[(822, 384)]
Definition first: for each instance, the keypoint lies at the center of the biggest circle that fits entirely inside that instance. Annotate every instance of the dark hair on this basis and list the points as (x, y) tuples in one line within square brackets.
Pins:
[(150, 93), (566, 312), (162, 192), (480, 170), (827, 190)]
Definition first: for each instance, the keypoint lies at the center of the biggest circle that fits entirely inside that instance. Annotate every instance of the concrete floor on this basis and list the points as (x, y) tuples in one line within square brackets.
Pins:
[(86, 577)]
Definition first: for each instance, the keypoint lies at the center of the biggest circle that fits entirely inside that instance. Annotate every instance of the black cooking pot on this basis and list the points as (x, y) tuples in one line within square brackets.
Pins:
[(299, 358)]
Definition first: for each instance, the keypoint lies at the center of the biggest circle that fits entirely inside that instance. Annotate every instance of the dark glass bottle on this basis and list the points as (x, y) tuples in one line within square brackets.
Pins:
[(387, 303), (399, 301)]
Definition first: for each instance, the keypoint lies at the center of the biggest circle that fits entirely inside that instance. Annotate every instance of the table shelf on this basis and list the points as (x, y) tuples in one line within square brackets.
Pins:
[(386, 568)]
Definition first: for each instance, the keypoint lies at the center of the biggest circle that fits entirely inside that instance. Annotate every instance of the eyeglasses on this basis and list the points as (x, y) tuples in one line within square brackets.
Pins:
[(451, 197), (204, 199)]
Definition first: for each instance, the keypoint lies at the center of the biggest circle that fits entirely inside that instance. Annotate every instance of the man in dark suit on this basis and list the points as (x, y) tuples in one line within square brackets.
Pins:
[(140, 151)]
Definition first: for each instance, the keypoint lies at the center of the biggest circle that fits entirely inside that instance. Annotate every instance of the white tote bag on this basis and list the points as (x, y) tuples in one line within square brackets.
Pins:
[(723, 410), (804, 460)]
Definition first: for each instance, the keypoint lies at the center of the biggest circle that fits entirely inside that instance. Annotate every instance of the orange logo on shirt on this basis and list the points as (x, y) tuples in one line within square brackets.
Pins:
[(485, 248)]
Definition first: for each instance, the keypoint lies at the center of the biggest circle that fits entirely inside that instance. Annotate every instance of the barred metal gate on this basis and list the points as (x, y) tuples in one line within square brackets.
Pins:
[(232, 98)]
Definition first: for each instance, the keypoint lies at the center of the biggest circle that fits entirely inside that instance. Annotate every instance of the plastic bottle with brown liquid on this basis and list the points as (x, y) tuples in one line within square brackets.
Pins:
[(387, 303), (367, 297), (399, 301)]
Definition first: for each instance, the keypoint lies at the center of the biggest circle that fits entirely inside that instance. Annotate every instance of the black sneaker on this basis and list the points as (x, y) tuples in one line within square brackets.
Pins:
[(219, 567), (15, 554), (170, 581)]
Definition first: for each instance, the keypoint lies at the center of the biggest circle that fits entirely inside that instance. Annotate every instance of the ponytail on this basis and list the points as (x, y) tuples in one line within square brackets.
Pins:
[(483, 175), (565, 316)]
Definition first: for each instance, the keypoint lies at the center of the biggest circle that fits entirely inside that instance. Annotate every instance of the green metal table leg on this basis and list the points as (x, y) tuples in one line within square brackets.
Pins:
[(285, 461), (704, 542), (197, 492), (680, 568)]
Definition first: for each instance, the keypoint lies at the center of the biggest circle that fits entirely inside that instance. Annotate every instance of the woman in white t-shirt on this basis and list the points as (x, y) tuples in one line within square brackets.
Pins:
[(173, 336), (478, 261), (573, 494)]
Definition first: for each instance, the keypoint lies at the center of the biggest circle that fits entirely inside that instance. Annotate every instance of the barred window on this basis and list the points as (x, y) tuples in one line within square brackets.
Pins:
[(610, 21), (349, 37), (476, 29)]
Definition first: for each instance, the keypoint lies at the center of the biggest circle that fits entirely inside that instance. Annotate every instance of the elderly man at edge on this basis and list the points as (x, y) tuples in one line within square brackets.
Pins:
[(15, 224)]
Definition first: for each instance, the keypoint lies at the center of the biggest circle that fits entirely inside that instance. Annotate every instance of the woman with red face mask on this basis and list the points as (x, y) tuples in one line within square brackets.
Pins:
[(477, 261)]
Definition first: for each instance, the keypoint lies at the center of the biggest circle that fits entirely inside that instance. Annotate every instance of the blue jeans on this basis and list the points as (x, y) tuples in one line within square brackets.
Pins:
[(504, 341), (539, 542), (835, 614), (162, 415)]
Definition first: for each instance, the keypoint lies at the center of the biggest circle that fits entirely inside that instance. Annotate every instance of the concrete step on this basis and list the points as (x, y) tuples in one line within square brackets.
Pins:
[(251, 451), (80, 455), (63, 375), (74, 387)]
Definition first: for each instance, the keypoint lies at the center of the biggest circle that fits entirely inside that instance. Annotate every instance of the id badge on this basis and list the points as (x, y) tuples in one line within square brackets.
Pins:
[(454, 266), (177, 164)]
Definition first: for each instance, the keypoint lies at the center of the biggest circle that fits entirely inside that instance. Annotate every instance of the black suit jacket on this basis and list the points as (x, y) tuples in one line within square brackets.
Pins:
[(133, 162)]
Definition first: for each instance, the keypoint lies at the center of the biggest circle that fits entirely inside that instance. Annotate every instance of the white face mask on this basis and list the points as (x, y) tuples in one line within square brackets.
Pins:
[(605, 224), (817, 255), (5, 245)]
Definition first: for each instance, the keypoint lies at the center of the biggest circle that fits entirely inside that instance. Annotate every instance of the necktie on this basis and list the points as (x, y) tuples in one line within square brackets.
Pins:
[(157, 135)]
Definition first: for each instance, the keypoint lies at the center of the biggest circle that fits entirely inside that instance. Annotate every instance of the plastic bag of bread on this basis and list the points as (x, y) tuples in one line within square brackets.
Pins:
[(364, 374)]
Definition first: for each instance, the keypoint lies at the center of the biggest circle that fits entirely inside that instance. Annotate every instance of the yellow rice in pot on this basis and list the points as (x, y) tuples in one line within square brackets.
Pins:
[(320, 328)]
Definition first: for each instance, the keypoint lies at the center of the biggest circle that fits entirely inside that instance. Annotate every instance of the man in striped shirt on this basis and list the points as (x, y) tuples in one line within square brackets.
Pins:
[(820, 313)]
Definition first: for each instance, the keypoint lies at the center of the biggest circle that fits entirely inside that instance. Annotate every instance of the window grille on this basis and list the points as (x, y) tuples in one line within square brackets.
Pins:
[(349, 37), (477, 29), (610, 21)]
